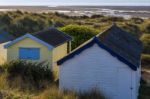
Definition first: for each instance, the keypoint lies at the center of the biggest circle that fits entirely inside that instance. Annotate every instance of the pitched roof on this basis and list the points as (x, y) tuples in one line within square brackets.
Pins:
[(117, 42), (5, 37), (28, 36), (123, 43), (52, 36)]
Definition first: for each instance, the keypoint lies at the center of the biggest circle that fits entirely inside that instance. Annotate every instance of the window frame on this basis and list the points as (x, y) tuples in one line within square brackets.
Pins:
[(29, 57)]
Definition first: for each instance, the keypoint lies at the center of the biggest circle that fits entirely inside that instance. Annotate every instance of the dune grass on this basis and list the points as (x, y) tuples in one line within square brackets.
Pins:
[(25, 80), (144, 92), (15, 85)]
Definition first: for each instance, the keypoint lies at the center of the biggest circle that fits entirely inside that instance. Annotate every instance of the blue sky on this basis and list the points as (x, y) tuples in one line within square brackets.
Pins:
[(74, 2)]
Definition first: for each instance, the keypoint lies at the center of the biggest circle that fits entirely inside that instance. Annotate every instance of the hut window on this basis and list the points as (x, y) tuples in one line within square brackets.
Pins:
[(29, 53)]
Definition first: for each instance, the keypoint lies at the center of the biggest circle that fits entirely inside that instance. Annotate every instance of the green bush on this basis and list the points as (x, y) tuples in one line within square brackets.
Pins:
[(79, 33), (147, 28), (145, 60), (34, 73), (6, 19), (133, 28), (115, 19), (146, 43)]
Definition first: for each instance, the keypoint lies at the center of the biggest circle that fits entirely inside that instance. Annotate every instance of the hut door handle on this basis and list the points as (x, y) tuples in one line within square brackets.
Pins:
[(131, 88)]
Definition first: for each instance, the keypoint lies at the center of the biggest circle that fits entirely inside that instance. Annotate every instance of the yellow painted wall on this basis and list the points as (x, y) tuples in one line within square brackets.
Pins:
[(51, 56), (3, 53), (58, 53), (13, 51)]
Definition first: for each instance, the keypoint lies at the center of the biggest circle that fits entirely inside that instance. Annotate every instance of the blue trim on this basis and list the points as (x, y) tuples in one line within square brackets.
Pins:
[(28, 36), (101, 45)]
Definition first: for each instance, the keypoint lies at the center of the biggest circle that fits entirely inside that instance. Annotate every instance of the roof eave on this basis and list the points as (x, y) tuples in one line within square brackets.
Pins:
[(28, 36), (91, 43), (69, 40)]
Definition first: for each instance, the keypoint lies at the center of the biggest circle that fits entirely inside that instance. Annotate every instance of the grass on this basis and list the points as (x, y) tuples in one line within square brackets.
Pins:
[(15, 85), (54, 93), (144, 92), (146, 61), (51, 92), (33, 74), (19, 87)]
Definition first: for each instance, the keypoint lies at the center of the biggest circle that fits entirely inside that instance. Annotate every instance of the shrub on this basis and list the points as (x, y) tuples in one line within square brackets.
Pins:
[(79, 33), (12, 95), (6, 19), (144, 92), (146, 60), (61, 15), (143, 81), (147, 28), (137, 20), (34, 73), (133, 28), (58, 24), (93, 94), (1, 70), (97, 16), (54, 93), (115, 19), (146, 43)]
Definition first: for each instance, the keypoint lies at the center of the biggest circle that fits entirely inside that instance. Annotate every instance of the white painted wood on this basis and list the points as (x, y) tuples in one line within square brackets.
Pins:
[(96, 68), (124, 84)]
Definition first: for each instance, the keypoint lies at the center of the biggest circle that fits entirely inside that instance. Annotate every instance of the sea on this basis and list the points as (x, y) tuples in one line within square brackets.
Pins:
[(117, 11)]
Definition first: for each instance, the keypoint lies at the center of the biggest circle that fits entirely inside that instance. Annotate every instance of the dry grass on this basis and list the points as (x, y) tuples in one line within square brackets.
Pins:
[(144, 92), (15, 85), (16, 91), (16, 88), (54, 93)]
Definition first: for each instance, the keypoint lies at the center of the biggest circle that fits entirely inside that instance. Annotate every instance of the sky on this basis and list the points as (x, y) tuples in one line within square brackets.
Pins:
[(74, 2)]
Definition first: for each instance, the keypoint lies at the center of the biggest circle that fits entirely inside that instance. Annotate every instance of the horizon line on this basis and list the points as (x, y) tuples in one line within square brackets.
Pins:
[(76, 5)]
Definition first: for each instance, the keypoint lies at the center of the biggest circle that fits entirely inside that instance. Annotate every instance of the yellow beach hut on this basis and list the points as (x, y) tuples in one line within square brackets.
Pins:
[(48, 45)]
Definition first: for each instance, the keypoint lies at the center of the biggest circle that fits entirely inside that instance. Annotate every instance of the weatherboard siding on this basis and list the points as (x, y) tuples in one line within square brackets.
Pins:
[(81, 72), (58, 53), (45, 53), (3, 53)]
